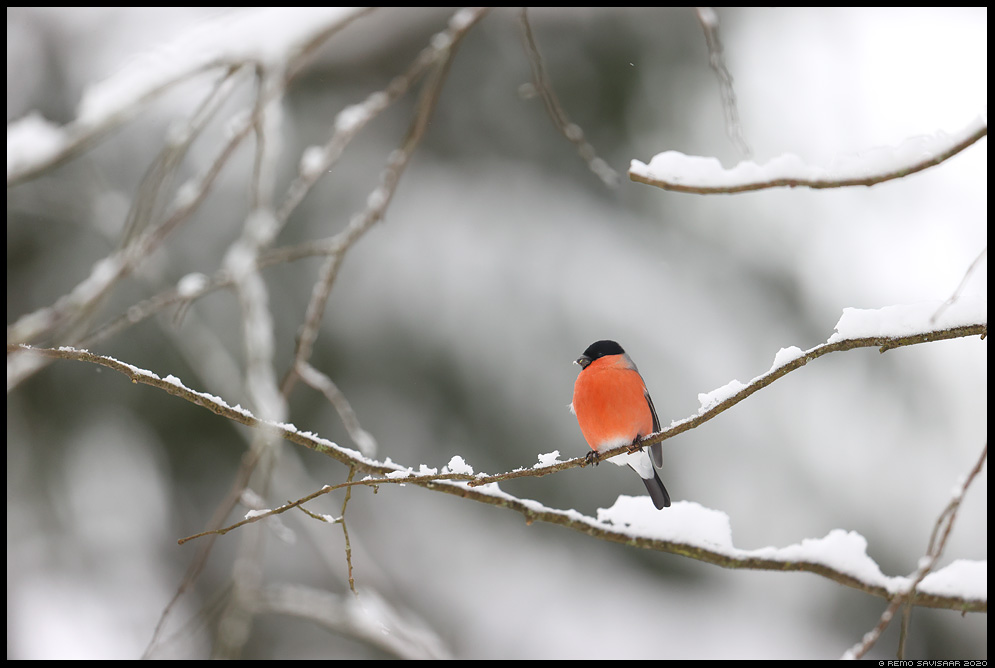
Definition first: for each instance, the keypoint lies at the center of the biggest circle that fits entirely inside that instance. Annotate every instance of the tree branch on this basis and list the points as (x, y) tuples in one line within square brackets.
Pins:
[(944, 523), (573, 133), (709, 21), (483, 488), (675, 171)]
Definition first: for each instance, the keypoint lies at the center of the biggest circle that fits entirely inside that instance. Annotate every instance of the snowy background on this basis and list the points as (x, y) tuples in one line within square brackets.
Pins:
[(453, 323)]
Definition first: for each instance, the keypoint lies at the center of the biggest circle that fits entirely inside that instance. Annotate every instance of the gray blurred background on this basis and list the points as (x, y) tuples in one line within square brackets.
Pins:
[(453, 323)]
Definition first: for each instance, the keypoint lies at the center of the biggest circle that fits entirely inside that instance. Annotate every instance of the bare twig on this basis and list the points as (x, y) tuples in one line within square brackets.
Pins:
[(960, 286), (345, 532), (380, 198), (107, 272), (255, 516), (370, 619), (149, 202), (200, 560), (363, 439), (573, 132), (316, 161), (944, 524), (314, 164), (709, 21)]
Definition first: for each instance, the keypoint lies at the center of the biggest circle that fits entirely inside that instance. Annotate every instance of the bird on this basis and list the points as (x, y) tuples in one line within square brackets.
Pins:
[(613, 408)]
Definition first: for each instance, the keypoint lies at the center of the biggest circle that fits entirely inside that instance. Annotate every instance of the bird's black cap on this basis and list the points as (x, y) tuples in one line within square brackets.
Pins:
[(601, 349)]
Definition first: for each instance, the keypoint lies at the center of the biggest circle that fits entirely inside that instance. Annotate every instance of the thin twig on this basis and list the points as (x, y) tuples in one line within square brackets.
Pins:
[(316, 161), (107, 272), (380, 198), (363, 439), (200, 561), (371, 620), (256, 516), (709, 21), (345, 531), (944, 525), (571, 131), (960, 286)]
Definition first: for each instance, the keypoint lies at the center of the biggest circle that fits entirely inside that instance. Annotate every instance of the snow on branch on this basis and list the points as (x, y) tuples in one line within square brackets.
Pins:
[(688, 529), (107, 272), (262, 36), (672, 170), (704, 534), (886, 328)]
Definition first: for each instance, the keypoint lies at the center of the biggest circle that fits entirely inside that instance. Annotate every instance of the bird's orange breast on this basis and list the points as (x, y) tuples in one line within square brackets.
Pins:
[(610, 403)]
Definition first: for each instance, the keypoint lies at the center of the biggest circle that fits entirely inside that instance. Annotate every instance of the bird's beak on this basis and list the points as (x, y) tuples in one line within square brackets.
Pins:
[(582, 361)]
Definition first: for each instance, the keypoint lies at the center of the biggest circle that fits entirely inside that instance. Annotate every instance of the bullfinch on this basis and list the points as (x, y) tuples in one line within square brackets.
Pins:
[(614, 408)]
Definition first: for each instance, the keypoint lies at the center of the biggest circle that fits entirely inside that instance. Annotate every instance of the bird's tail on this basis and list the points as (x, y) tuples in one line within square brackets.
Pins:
[(658, 493)]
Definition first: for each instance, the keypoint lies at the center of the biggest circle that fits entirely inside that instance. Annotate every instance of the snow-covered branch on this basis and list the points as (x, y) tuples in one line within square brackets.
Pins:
[(672, 170), (885, 329), (231, 39)]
